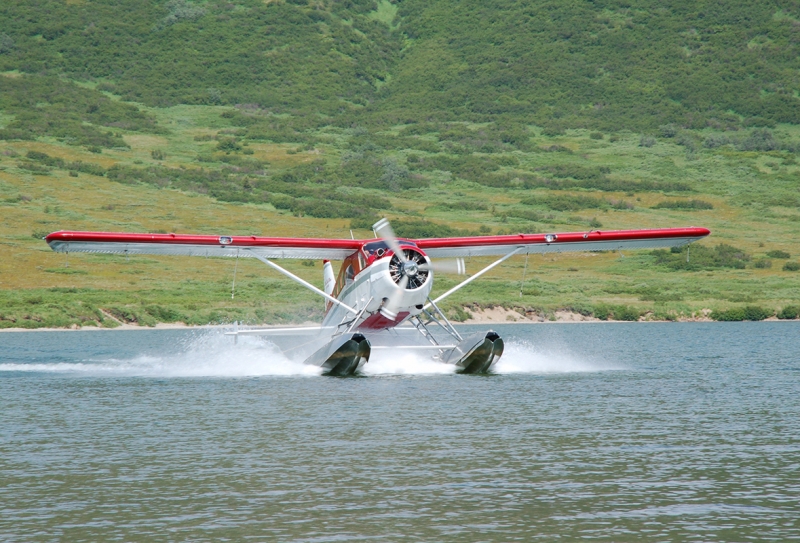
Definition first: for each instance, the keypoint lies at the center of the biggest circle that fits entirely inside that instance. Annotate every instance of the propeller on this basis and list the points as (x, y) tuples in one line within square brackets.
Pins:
[(391, 304), (384, 230), (408, 268), (453, 265)]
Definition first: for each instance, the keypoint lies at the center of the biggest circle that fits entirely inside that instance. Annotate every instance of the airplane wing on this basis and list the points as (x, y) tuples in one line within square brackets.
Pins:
[(190, 245), (594, 240), (338, 249)]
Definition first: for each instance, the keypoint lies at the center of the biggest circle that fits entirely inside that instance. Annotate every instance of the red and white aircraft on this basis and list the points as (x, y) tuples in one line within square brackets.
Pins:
[(383, 282)]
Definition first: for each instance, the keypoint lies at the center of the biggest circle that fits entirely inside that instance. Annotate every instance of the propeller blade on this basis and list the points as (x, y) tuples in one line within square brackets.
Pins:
[(384, 230), (392, 305), (454, 265)]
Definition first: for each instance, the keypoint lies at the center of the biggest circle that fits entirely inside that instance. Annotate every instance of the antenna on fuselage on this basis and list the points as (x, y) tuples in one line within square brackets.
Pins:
[(351, 234)]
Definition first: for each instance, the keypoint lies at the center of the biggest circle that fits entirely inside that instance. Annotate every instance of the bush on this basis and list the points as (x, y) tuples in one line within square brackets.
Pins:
[(228, 144), (668, 130), (602, 312), (616, 312), (624, 313), (789, 312), (714, 141), (458, 314), (6, 43), (683, 204), (764, 263), (791, 266), (596, 135), (759, 140), (647, 141), (777, 253), (702, 257), (749, 313), (565, 202)]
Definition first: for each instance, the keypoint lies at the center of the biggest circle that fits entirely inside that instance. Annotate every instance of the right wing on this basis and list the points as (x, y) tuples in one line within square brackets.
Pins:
[(594, 240)]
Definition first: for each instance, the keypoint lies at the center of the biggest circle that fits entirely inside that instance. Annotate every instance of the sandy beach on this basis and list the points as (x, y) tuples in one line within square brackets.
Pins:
[(494, 315)]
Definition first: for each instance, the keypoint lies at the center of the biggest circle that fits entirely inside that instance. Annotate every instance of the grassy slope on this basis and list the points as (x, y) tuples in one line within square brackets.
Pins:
[(36, 284), (350, 100)]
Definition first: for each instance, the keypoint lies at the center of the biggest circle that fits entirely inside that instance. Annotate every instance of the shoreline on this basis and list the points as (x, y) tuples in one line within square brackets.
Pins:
[(493, 316)]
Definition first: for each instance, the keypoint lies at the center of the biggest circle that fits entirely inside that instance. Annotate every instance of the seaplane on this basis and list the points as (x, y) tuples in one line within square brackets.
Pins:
[(381, 297)]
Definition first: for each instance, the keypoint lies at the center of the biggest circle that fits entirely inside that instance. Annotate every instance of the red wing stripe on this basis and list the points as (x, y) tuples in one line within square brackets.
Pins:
[(338, 249), (183, 239), (564, 237)]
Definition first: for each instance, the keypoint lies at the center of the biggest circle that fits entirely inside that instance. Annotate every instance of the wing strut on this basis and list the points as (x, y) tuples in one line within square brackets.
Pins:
[(465, 282), (306, 284)]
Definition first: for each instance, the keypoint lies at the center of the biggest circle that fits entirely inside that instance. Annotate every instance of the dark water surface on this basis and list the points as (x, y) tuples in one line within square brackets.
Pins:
[(612, 432)]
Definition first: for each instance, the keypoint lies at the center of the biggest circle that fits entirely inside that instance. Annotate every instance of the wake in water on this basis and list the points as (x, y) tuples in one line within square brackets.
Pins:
[(211, 354), (523, 357)]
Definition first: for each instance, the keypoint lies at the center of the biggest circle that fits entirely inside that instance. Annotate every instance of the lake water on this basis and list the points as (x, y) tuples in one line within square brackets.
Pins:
[(612, 432)]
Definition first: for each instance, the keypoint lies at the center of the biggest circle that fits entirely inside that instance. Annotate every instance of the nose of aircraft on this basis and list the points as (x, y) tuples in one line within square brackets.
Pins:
[(410, 268)]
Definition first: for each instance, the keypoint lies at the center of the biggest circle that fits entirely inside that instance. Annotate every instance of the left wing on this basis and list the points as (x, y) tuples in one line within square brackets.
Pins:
[(594, 240), (189, 245)]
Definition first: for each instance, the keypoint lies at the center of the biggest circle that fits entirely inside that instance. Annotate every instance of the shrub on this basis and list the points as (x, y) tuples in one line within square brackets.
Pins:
[(777, 253), (668, 130), (564, 202), (759, 140), (624, 313), (6, 43), (791, 266), (683, 204), (714, 141), (180, 10), (458, 314), (165, 314), (414, 228), (735, 314), (228, 144), (553, 130), (763, 263), (702, 257), (789, 312), (596, 135), (749, 313), (647, 141), (755, 313), (601, 312)]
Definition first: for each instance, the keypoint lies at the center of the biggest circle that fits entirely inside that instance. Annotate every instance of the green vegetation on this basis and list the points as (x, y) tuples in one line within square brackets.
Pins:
[(699, 257), (777, 253), (609, 65), (747, 313), (48, 106), (301, 118), (683, 204)]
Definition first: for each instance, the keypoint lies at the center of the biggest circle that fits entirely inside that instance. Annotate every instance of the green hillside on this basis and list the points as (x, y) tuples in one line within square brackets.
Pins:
[(609, 65), (315, 118)]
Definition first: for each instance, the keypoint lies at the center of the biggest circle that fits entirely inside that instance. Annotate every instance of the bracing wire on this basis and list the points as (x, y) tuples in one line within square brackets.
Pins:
[(524, 271)]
